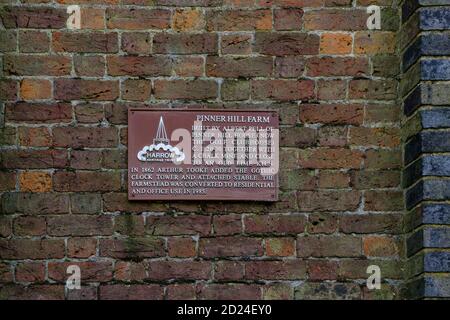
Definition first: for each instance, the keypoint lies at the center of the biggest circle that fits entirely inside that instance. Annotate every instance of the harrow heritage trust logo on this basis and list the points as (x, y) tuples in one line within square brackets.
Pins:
[(161, 150)]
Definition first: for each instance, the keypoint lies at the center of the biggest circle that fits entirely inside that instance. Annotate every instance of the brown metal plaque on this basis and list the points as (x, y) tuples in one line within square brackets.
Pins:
[(186, 154)]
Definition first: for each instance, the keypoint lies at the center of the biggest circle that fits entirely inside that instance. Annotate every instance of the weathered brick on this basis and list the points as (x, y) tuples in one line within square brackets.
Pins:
[(33, 17), (79, 225), (29, 226), (188, 270), (330, 158), (236, 43), (14, 249), (178, 225), (239, 67), (185, 89), (188, 20), (33, 41), (86, 181), (38, 112), (34, 89), (30, 272), (132, 248), (198, 43), (91, 271), (230, 247), (181, 247), (131, 292), (325, 223), (34, 65), (81, 89), (280, 247), (137, 19), (276, 270), (229, 292), (89, 66), (33, 159), (35, 203), (136, 42), (92, 42), (241, 20), (328, 200), (329, 246), (332, 113), (274, 224), (285, 44), (129, 224), (35, 181), (139, 66), (81, 247), (283, 90), (77, 137)]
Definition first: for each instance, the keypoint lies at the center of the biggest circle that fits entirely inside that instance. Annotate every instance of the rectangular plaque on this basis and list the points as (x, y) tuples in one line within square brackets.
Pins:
[(186, 154)]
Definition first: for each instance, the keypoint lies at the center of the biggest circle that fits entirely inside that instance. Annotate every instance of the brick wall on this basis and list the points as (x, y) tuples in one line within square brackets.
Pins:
[(65, 95), (426, 93)]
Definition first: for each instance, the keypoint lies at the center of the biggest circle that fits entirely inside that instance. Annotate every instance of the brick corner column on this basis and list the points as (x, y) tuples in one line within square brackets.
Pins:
[(425, 88)]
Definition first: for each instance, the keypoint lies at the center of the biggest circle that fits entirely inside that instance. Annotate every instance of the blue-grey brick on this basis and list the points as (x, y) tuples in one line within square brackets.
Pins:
[(435, 69), (437, 262), (435, 141), (429, 165), (436, 213), (436, 118), (413, 148), (433, 2), (436, 94), (435, 44), (435, 18), (432, 189), (412, 54), (437, 286), (413, 100), (408, 8), (428, 237), (436, 237)]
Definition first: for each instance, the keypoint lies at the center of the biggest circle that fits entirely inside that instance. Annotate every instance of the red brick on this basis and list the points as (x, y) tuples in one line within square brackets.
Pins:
[(282, 44), (230, 247), (227, 225), (186, 270), (88, 181), (38, 112), (92, 42), (181, 247), (30, 272), (328, 200), (229, 292), (279, 224), (184, 89), (198, 43), (331, 158), (89, 66), (239, 20), (81, 247), (236, 44), (378, 137), (132, 248), (35, 137), (180, 292), (79, 225), (37, 65), (178, 225), (33, 17), (131, 292), (288, 19), (130, 225), (80, 89), (85, 159), (136, 43), (33, 41), (129, 271), (89, 113), (319, 270), (239, 67), (371, 223), (380, 246), (30, 226), (229, 271), (137, 19), (139, 66), (329, 246), (332, 113), (289, 67), (283, 90), (276, 270), (337, 66), (326, 223), (91, 271), (280, 247), (34, 159), (335, 19), (20, 249), (78, 137), (8, 90)]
